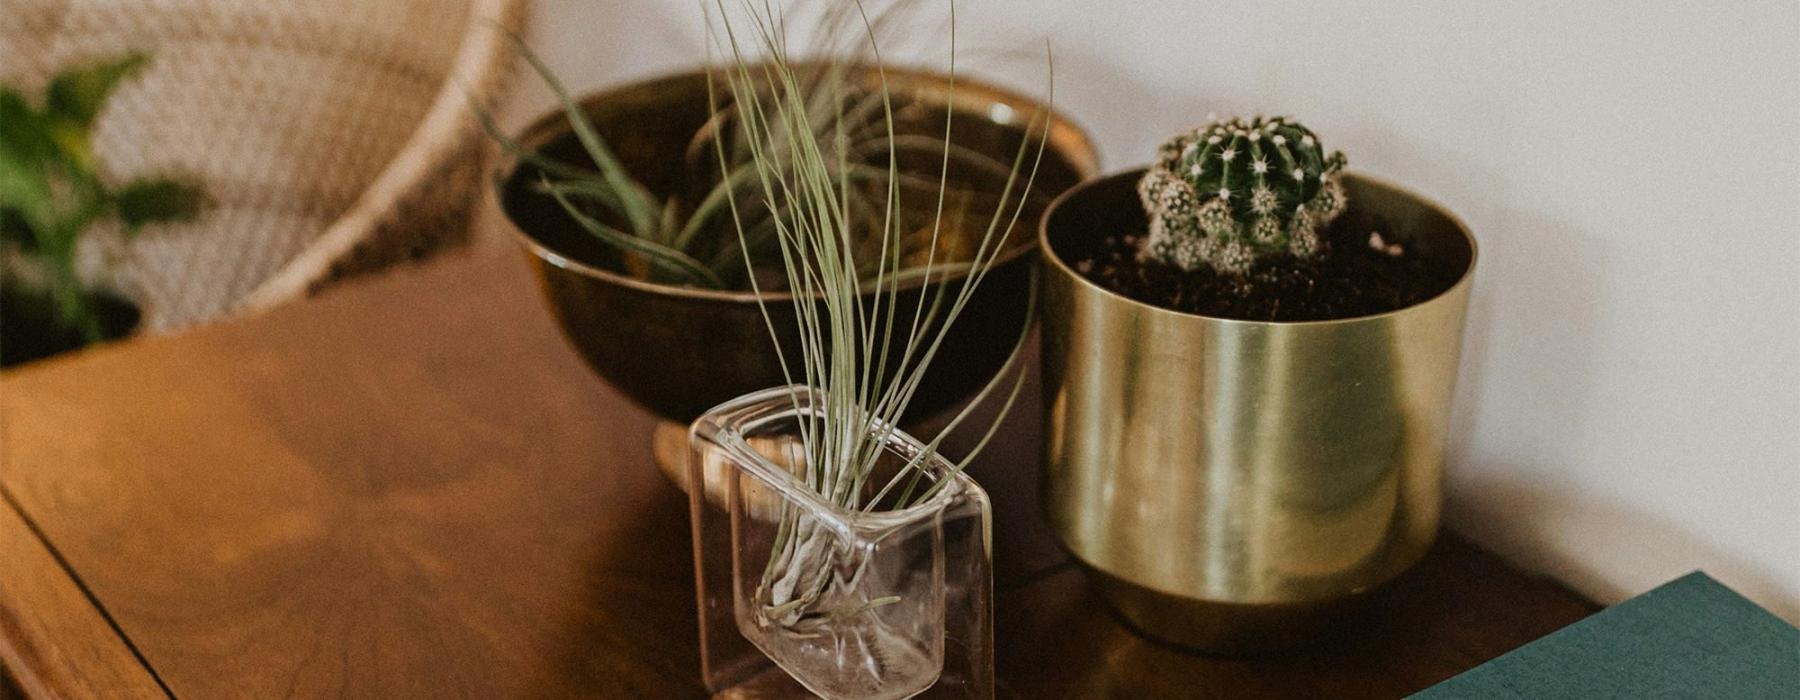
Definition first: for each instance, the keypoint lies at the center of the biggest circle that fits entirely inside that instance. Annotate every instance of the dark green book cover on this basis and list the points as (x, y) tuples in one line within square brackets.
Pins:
[(1689, 638)]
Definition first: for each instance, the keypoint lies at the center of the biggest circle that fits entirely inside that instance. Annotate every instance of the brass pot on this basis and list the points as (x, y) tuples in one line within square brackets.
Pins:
[(1238, 486), (679, 351)]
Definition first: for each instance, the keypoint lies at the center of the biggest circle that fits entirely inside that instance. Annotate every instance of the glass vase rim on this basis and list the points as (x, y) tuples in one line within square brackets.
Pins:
[(723, 422)]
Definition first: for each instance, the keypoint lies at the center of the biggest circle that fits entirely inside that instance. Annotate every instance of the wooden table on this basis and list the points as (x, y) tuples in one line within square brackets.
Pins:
[(411, 487)]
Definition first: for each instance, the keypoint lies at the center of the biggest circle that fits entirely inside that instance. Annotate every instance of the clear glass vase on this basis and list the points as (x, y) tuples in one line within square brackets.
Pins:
[(796, 592)]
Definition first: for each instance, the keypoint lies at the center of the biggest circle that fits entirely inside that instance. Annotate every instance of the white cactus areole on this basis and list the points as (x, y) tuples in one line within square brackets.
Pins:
[(1236, 190)]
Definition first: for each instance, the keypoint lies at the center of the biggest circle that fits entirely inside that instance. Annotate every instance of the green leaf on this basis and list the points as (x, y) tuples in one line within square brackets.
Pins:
[(657, 254), (635, 203), (72, 146), (26, 146), (592, 190), (24, 134), (156, 200), (517, 150), (713, 203), (26, 152), (74, 99), (78, 94), (671, 220)]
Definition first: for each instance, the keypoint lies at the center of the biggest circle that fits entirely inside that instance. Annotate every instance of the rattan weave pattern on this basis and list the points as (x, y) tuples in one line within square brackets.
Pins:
[(332, 136)]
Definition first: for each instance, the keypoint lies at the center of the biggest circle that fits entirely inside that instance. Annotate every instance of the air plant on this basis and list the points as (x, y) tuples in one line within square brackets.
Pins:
[(52, 191), (694, 243), (1237, 190), (862, 353)]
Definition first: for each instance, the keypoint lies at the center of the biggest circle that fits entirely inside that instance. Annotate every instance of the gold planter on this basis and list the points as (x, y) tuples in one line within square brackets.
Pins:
[(1238, 486)]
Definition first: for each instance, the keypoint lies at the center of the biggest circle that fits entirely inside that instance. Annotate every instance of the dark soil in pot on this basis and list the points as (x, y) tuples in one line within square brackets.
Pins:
[(30, 329), (1352, 278)]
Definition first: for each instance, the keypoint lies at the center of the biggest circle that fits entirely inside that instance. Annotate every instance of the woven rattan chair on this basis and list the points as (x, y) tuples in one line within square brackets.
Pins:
[(332, 136)]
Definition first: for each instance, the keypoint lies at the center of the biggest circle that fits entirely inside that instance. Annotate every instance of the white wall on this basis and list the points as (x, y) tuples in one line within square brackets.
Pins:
[(1628, 408)]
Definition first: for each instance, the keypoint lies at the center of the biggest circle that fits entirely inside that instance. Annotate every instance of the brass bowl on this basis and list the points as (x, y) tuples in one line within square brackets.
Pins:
[(679, 351), (1239, 486)]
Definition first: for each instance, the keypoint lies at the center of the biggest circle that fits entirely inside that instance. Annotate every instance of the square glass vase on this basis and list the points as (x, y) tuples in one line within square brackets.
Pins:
[(798, 593)]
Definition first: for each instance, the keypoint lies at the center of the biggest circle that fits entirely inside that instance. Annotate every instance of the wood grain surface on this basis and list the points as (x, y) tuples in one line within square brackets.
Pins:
[(412, 488), (52, 639)]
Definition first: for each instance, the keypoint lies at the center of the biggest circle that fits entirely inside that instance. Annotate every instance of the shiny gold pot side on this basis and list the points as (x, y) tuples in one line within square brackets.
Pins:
[(1235, 485), (679, 351)]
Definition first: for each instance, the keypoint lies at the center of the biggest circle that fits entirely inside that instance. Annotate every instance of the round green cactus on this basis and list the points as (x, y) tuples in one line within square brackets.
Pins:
[(1235, 190)]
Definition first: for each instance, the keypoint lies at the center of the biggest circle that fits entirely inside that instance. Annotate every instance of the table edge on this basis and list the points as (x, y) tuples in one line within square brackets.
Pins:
[(55, 642)]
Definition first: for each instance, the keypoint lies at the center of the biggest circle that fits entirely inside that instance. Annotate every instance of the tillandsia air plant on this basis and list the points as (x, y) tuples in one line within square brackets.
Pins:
[(52, 190), (862, 356), (689, 238), (1236, 190)]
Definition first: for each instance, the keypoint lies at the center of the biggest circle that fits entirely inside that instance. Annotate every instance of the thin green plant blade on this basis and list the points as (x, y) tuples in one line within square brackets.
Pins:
[(513, 148), (658, 255), (636, 205)]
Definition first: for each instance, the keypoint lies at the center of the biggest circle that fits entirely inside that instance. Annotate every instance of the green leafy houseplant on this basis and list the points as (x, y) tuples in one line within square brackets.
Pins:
[(52, 192), (859, 554), (689, 239)]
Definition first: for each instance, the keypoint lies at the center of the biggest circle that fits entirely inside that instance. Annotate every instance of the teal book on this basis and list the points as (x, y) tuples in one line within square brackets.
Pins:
[(1689, 638)]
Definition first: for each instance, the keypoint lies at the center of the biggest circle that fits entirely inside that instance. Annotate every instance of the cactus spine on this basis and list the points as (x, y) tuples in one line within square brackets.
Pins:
[(1233, 191)]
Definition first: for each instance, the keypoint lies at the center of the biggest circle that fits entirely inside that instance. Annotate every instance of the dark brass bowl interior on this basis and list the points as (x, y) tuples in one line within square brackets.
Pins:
[(681, 350)]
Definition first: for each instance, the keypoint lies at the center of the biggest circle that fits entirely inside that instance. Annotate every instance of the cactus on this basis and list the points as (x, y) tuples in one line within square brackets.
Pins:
[(1234, 191)]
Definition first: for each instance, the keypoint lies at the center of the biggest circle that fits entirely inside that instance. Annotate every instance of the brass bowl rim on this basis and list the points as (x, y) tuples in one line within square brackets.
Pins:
[(1050, 256), (1082, 157)]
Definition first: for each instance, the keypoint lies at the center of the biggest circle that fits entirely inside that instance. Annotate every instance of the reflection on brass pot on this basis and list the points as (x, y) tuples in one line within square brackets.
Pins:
[(679, 351), (1233, 484)]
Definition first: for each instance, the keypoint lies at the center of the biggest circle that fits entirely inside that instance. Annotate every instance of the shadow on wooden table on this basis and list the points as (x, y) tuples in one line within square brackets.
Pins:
[(1459, 608)]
